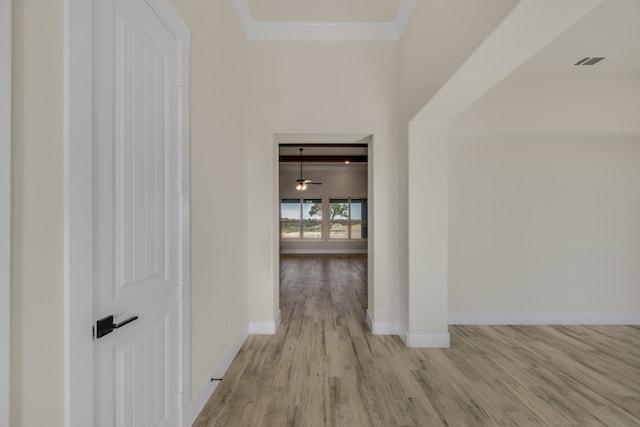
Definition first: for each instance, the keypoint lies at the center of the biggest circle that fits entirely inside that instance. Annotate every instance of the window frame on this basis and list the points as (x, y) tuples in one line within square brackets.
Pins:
[(301, 219), (349, 219), (325, 223)]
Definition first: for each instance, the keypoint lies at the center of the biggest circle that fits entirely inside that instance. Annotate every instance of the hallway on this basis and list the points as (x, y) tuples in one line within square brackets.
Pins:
[(324, 368)]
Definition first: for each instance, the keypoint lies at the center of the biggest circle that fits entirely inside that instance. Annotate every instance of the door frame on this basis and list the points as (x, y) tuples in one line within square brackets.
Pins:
[(5, 209), (325, 138), (78, 196)]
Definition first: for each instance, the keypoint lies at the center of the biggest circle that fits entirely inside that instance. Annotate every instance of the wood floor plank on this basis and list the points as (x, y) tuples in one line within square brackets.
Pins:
[(323, 367)]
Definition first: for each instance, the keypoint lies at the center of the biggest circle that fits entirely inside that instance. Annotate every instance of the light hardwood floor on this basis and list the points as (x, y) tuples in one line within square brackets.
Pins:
[(324, 367)]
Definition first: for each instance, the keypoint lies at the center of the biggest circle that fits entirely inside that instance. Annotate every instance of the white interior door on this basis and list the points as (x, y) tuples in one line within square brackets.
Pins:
[(136, 216), (5, 207)]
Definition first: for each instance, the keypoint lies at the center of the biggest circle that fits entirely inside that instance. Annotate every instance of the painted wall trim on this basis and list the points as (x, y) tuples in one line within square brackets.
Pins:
[(328, 31), (427, 340), (265, 328), (322, 31), (402, 333), (200, 399), (78, 223), (5, 210), (544, 318), (544, 135), (403, 15), (382, 328), (323, 251), (173, 20)]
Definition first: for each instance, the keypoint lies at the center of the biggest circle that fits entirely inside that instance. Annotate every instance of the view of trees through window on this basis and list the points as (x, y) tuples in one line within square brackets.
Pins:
[(302, 218), (312, 219), (347, 218)]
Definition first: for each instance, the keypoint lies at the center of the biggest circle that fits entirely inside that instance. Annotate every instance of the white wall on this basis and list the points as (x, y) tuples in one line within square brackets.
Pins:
[(496, 58), (219, 299), (572, 104), (321, 88), (428, 222), (242, 95), (338, 181), (218, 182), (544, 203), (37, 386), (439, 36), (544, 229)]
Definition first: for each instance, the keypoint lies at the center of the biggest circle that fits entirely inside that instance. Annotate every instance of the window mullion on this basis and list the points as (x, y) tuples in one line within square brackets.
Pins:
[(326, 224), (301, 221), (349, 227)]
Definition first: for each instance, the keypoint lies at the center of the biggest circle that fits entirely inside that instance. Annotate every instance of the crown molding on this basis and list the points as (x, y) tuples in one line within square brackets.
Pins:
[(403, 15), (480, 134), (322, 31), (244, 16)]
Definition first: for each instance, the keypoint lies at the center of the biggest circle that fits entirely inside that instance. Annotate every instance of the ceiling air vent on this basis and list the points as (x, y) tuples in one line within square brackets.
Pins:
[(590, 60)]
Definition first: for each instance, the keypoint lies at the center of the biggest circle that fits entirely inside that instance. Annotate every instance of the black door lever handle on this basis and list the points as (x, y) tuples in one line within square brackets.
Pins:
[(124, 322), (105, 325)]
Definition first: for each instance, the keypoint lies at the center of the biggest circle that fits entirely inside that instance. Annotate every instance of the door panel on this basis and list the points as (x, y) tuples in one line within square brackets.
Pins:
[(141, 376), (136, 205), (140, 144)]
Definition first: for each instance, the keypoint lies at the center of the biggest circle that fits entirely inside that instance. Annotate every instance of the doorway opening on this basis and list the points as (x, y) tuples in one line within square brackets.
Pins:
[(323, 222)]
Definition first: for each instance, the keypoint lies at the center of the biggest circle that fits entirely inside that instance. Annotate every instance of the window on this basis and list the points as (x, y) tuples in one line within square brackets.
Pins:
[(312, 219), (359, 219), (290, 219), (338, 218), (348, 219), (301, 219)]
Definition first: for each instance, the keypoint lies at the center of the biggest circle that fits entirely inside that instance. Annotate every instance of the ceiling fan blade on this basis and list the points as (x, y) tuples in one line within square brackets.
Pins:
[(308, 181)]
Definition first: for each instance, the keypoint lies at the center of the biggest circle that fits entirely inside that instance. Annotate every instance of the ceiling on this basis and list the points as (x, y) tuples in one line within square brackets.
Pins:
[(323, 20), (610, 30), (324, 150), (323, 154)]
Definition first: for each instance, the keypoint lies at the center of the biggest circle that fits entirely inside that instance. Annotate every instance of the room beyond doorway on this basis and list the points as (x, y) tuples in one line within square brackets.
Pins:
[(352, 230), (323, 198)]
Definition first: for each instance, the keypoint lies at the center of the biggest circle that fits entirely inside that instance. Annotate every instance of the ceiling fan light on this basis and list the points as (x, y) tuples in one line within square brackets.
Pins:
[(299, 187)]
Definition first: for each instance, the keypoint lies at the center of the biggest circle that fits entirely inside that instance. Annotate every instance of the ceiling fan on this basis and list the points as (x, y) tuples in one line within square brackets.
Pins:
[(302, 183)]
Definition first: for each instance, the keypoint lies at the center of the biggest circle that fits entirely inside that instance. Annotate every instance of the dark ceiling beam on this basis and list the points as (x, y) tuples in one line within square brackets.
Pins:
[(323, 159), (332, 145)]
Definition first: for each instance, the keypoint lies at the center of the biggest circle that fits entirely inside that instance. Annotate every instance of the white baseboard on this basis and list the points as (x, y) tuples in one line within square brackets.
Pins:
[(322, 251), (265, 328), (200, 399), (370, 321), (277, 322), (544, 319), (403, 334), (426, 340), (382, 328)]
